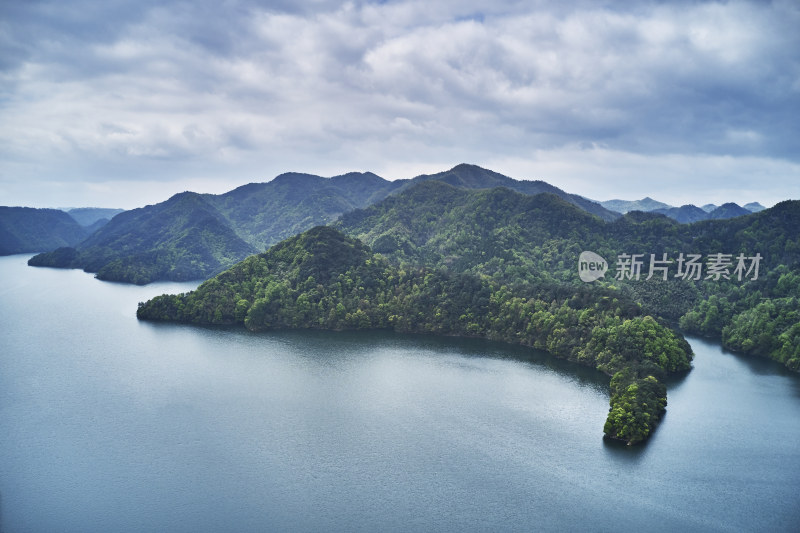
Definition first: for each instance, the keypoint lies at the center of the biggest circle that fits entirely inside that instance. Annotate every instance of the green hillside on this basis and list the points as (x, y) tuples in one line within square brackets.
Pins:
[(536, 240), (181, 239), (25, 229), (139, 250), (474, 177), (265, 213), (324, 279), (497, 264)]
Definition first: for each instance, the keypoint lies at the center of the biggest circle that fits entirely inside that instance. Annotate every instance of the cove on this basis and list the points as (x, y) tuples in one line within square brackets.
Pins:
[(109, 424)]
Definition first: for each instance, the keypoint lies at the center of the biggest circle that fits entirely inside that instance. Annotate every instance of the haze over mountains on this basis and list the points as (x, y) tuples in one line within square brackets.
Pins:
[(685, 214), (92, 216)]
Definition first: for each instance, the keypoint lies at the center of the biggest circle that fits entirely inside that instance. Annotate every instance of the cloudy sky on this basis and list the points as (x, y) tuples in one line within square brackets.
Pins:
[(121, 103)]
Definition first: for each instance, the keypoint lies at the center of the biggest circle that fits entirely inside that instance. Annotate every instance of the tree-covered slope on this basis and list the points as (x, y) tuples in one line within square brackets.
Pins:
[(759, 317), (181, 239), (497, 264), (25, 229), (493, 231), (260, 214), (324, 279), (474, 177), (517, 238), (193, 236), (265, 213)]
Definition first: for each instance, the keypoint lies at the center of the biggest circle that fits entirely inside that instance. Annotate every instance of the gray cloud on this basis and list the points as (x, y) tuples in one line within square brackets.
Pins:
[(236, 91)]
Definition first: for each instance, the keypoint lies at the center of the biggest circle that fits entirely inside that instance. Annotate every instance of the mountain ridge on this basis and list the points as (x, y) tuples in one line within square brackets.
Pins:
[(624, 206), (687, 213), (90, 216), (260, 215), (28, 229), (470, 176), (180, 239)]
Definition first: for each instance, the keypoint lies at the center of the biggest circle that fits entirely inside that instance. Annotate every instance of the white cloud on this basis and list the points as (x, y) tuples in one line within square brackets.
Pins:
[(235, 92)]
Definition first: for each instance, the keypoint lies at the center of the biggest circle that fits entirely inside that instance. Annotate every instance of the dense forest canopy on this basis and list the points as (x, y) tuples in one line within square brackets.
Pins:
[(538, 240), (324, 279), (501, 265)]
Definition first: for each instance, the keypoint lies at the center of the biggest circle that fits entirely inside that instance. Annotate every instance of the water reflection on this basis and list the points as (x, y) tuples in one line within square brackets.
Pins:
[(617, 450)]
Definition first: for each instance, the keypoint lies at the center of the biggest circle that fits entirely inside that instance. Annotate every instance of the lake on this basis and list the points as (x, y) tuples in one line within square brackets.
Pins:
[(111, 424)]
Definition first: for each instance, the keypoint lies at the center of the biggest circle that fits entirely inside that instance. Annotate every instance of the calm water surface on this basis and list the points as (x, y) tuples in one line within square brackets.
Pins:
[(109, 424)]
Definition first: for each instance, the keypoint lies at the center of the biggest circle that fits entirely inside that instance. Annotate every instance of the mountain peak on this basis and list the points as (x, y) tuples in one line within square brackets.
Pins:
[(685, 214), (468, 167), (645, 204), (295, 178), (728, 210), (755, 207), (321, 252), (358, 177), (468, 176)]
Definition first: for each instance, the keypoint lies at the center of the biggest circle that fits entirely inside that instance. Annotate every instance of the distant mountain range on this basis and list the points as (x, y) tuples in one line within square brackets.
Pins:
[(645, 204), (753, 207), (163, 241), (685, 214), (25, 229), (92, 217), (194, 236), (689, 213)]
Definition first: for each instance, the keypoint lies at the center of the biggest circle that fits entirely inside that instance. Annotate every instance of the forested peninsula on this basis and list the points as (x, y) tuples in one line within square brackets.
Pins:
[(324, 279), (501, 265)]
